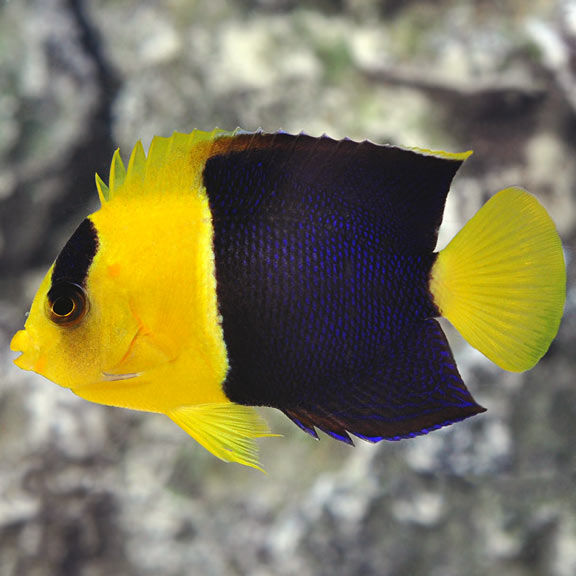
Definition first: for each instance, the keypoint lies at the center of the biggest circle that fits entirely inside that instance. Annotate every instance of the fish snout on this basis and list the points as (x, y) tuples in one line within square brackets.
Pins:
[(21, 342)]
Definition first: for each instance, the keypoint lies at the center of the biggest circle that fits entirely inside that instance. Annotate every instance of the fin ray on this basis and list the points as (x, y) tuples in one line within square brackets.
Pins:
[(117, 173), (103, 190), (136, 165)]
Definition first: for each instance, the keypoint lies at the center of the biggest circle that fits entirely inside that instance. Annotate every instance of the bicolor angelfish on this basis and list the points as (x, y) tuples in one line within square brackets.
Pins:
[(227, 270)]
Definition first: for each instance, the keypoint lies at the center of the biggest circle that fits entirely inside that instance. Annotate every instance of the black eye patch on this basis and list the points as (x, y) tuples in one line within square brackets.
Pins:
[(76, 257)]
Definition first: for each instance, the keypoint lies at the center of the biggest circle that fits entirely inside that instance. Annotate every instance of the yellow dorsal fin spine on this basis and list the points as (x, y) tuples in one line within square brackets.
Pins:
[(136, 165), (117, 173), (173, 165), (157, 157), (227, 430), (502, 280), (103, 190)]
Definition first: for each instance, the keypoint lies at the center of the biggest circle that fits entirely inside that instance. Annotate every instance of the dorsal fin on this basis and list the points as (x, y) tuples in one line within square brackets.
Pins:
[(402, 190), (172, 164)]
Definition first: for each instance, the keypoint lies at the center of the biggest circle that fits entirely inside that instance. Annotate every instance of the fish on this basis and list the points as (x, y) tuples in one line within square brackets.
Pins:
[(229, 270)]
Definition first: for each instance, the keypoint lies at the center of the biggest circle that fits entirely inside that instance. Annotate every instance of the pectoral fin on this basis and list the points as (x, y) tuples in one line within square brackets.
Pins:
[(146, 351), (227, 430)]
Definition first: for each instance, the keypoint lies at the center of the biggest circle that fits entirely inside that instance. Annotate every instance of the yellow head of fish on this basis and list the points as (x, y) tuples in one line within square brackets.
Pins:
[(67, 337), (119, 320)]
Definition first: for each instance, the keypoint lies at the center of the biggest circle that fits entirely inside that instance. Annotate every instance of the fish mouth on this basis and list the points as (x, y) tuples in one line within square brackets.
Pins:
[(22, 343)]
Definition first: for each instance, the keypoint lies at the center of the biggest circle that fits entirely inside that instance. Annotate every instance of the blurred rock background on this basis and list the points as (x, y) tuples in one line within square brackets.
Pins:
[(87, 490)]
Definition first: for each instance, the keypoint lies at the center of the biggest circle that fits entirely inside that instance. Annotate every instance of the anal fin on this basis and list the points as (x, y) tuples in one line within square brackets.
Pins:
[(411, 391)]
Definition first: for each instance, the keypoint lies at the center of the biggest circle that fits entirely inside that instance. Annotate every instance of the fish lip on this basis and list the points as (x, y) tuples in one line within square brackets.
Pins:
[(21, 361), (20, 341)]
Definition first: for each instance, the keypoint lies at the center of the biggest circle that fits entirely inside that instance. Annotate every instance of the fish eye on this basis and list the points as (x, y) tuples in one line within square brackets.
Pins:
[(66, 304)]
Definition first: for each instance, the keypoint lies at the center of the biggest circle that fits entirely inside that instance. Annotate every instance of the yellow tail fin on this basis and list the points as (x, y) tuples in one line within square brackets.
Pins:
[(502, 280)]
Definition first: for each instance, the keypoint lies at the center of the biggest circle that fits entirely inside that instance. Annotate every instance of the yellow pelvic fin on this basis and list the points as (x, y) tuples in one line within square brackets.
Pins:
[(502, 280), (226, 429)]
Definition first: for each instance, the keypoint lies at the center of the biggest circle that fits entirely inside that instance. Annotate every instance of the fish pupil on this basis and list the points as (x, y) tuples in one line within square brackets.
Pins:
[(63, 306)]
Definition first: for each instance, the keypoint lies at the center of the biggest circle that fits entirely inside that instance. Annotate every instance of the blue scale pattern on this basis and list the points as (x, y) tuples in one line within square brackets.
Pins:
[(323, 252)]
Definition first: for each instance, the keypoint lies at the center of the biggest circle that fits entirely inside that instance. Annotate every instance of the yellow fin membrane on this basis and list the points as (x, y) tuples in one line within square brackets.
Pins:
[(226, 429), (502, 280)]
